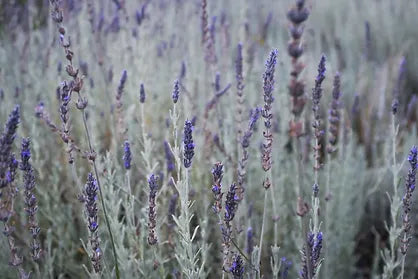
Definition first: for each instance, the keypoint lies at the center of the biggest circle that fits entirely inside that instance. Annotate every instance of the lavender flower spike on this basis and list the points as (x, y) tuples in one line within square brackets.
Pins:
[(286, 264), (169, 157), (121, 84), (240, 92), (316, 250), (176, 92), (311, 252), (316, 124), (255, 115), (268, 86), (237, 268), (406, 201), (141, 93), (30, 199), (188, 144), (152, 214), (231, 206), (217, 173), (317, 91), (231, 203), (90, 200), (250, 241), (127, 155), (334, 115), (6, 141)]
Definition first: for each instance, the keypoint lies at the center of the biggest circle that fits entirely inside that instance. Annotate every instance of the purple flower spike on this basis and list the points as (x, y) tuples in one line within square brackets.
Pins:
[(176, 92), (152, 212), (237, 268), (268, 81), (127, 156), (169, 157), (90, 200), (407, 199), (317, 91), (30, 199), (142, 93), (217, 173), (231, 203), (188, 144)]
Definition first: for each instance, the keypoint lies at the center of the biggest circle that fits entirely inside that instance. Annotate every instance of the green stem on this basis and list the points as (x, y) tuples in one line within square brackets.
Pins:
[(395, 184), (101, 197), (327, 215), (403, 266), (262, 232), (273, 201)]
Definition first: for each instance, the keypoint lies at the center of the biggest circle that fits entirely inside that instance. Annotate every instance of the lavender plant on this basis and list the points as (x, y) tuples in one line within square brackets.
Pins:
[(90, 198), (86, 118), (30, 199)]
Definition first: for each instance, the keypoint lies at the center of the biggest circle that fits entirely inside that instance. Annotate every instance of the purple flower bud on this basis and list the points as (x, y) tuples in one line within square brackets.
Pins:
[(176, 92), (142, 93), (122, 84)]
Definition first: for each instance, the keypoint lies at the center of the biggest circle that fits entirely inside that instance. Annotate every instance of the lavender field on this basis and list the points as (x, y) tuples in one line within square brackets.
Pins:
[(208, 139)]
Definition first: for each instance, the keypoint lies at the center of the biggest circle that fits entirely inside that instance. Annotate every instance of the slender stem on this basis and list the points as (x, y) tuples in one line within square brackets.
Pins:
[(273, 200), (327, 218), (394, 167), (240, 251), (402, 266), (145, 142), (74, 174), (101, 196), (315, 199), (262, 230), (128, 181), (299, 174), (175, 118), (221, 223), (186, 196), (395, 184)]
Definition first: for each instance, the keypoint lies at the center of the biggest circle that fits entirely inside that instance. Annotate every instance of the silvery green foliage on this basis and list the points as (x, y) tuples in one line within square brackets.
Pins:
[(143, 39)]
